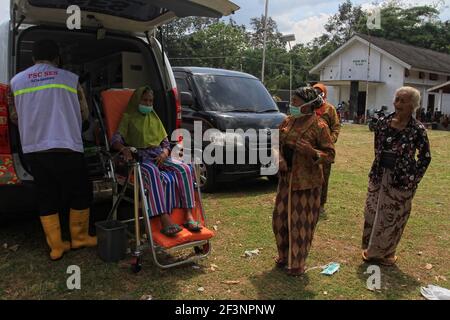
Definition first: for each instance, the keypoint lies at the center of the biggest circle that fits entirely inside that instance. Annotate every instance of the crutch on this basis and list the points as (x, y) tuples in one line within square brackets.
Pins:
[(289, 219)]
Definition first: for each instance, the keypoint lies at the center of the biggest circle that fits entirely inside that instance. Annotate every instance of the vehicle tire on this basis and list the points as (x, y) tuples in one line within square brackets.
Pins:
[(273, 179), (207, 178), (136, 264), (202, 250)]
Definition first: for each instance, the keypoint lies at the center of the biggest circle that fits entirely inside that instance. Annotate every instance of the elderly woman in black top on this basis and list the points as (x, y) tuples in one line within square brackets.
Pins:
[(394, 177)]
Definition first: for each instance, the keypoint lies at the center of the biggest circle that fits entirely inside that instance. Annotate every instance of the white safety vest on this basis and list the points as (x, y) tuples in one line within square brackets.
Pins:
[(48, 109)]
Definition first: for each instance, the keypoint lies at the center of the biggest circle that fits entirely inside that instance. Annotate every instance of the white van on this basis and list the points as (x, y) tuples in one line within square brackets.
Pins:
[(116, 47)]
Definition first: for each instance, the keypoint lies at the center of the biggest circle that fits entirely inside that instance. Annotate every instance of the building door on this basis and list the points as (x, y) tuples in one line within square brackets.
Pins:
[(361, 103), (431, 100), (354, 93)]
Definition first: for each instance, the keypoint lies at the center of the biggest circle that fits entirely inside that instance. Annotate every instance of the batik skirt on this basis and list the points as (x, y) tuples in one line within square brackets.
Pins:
[(294, 232), (385, 216)]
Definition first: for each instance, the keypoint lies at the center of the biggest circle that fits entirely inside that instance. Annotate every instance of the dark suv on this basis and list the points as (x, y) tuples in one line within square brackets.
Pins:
[(226, 100)]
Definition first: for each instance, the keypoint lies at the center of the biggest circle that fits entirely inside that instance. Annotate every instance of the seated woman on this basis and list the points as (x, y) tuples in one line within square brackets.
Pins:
[(169, 182)]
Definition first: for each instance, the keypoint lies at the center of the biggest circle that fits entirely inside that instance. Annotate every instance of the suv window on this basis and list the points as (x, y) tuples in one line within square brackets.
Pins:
[(234, 94), (182, 85)]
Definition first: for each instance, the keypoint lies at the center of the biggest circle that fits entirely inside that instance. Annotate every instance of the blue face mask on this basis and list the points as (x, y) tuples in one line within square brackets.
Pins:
[(145, 109)]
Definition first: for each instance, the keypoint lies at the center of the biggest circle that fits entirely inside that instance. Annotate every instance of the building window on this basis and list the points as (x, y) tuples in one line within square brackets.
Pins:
[(421, 75), (434, 76), (448, 78), (406, 73)]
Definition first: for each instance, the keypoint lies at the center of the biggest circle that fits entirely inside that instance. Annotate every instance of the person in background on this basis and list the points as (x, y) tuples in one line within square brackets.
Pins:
[(394, 177), (429, 116), (347, 111), (340, 111), (49, 106), (328, 113), (305, 144), (445, 121)]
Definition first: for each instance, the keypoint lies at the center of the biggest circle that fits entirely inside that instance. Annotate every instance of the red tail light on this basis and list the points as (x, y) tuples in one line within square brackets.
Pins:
[(5, 147), (178, 108)]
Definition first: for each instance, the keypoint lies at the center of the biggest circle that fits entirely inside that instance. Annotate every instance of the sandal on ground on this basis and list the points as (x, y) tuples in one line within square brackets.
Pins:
[(193, 226), (280, 263), (171, 231), (296, 272), (389, 261), (365, 257)]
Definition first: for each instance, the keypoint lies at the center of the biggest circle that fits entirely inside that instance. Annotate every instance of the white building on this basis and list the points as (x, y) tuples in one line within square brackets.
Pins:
[(348, 75)]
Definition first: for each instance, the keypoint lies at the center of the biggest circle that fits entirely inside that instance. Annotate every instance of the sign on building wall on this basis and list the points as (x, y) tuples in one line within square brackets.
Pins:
[(360, 62)]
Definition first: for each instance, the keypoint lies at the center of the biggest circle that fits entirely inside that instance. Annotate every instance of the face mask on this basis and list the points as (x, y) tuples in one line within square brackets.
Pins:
[(297, 112), (145, 109)]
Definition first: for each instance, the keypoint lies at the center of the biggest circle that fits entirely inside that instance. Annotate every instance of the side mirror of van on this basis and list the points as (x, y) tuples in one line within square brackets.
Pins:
[(187, 99)]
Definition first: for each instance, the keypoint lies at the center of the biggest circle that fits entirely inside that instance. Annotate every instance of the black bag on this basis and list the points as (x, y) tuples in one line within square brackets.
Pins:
[(388, 159), (288, 154)]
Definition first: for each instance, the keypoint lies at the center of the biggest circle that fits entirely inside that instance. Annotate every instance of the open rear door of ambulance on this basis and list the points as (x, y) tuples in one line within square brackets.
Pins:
[(121, 15)]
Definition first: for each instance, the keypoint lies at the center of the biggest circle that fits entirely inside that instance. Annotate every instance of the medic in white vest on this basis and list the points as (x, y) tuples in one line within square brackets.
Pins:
[(49, 107)]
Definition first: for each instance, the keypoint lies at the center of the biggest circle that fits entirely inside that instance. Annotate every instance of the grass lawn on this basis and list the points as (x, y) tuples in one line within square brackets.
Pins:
[(242, 213)]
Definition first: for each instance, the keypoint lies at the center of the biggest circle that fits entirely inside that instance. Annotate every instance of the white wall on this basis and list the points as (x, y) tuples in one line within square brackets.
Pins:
[(391, 76), (414, 79), (446, 104), (338, 94), (351, 65), (354, 63)]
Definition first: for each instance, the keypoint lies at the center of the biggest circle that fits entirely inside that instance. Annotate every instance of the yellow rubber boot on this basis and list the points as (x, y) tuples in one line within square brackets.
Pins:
[(79, 227), (52, 231)]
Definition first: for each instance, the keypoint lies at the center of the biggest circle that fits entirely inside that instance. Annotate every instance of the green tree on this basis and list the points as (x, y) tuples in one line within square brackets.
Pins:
[(176, 33), (416, 25), (273, 35), (219, 45)]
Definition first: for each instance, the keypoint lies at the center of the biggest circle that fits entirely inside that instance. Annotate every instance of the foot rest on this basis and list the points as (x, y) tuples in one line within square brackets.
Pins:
[(183, 237), (170, 242), (203, 234)]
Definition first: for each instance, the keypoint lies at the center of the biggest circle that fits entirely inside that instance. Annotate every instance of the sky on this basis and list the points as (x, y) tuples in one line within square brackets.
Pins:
[(304, 18)]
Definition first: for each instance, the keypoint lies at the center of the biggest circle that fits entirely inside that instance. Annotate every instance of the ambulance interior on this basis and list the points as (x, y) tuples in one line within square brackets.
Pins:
[(112, 62)]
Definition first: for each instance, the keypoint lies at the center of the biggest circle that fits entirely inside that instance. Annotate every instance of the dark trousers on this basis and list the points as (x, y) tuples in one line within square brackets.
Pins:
[(326, 177), (61, 180)]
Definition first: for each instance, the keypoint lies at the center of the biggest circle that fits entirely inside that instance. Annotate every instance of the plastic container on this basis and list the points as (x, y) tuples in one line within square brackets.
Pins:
[(111, 240)]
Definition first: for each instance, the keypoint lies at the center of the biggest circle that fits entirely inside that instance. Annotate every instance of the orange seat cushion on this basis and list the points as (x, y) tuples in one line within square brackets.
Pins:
[(204, 234), (114, 102), (170, 242), (182, 237)]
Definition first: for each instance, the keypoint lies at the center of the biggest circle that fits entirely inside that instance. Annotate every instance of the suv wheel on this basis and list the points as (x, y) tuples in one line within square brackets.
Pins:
[(207, 178), (273, 179)]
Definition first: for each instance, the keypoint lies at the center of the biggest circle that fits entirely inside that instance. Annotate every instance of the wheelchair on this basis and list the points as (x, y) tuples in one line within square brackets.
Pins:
[(127, 178)]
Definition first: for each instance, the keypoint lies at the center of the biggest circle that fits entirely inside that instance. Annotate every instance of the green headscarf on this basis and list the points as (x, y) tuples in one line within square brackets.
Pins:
[(139, 130)]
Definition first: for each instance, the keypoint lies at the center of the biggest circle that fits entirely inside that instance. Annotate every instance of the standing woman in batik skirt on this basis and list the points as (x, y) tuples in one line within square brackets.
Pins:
[(305, 144), (394, 177)]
